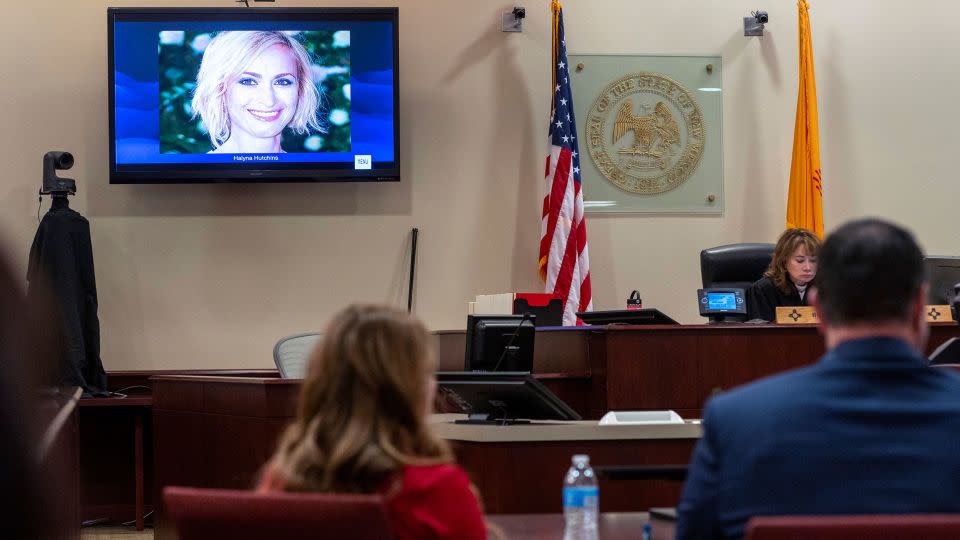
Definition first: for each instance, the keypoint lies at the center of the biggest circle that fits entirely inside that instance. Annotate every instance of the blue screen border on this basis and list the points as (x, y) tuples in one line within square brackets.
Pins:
[(245, 172)]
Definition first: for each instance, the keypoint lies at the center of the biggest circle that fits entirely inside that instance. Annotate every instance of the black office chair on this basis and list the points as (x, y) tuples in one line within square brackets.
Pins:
[(734, 265)]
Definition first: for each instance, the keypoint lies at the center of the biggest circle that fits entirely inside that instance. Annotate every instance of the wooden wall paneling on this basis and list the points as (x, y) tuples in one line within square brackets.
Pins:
[(597, 356), (655, 367), (735, 355), (561, 350), (572, 388)]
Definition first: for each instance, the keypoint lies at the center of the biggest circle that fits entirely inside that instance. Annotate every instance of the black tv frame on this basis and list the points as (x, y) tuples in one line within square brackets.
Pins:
[(216, 173), (943, 273), (477, 357), (502, 398)]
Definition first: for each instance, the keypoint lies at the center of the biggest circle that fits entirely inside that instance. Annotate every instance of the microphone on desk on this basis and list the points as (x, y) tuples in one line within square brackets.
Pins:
[(513, 337)]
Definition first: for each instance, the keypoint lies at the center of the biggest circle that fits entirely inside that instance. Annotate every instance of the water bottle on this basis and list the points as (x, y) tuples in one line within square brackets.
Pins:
[(581, 500)]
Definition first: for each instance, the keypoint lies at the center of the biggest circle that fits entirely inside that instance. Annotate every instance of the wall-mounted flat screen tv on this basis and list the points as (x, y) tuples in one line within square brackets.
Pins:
[(253, 94)]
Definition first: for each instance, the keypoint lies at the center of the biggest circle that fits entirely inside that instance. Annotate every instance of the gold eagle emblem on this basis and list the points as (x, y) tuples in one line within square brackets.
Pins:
[(648, 129), (668, 128)]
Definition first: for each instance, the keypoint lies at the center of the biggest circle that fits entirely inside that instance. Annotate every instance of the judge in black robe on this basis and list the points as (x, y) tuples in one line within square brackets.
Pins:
[(763, 299), (789, 277)]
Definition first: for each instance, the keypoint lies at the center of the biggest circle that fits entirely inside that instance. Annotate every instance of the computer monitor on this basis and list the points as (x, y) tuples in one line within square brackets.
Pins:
[(944, 274), (502, 398), (500, 343)]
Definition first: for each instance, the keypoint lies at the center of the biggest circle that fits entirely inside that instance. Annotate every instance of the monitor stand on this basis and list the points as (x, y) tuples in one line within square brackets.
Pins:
[(487, 419), (508, 358)]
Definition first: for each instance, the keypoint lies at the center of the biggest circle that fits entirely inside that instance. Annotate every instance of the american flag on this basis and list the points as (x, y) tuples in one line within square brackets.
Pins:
[(564, 261)]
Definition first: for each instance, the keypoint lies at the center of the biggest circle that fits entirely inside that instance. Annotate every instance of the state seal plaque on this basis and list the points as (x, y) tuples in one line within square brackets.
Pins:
[(645, 133), (651, 131)]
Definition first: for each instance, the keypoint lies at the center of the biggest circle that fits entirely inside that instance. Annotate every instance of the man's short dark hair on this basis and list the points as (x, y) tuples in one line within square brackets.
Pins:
[(869, 270)]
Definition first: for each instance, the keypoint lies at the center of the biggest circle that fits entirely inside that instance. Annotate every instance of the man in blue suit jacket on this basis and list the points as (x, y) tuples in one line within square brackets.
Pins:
[(870, 428)]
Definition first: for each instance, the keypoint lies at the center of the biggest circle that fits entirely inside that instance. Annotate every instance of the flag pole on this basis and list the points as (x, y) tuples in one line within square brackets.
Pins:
[(413, 264)]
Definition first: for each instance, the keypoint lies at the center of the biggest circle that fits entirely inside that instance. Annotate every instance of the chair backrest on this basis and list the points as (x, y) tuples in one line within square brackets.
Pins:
[(734, 265), (877, 527), (948, 353), (290, 354), (202, 514)]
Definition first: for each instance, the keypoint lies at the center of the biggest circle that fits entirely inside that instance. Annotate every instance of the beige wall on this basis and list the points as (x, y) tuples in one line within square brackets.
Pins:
[(211, 276)]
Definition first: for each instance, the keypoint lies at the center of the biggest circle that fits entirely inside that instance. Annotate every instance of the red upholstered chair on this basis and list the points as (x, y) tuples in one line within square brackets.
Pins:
[(202, 514), (878, 527)]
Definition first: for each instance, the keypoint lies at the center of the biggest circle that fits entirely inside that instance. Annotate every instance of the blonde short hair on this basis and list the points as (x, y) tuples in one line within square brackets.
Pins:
[(224, 60)]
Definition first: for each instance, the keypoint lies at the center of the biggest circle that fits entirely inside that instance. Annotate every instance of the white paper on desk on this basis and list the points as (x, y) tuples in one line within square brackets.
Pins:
[(494, 304), (619, 418)]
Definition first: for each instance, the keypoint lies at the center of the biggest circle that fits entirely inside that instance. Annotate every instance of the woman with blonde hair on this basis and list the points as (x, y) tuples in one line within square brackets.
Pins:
[(361, 427), (787, 279), (251, 85)]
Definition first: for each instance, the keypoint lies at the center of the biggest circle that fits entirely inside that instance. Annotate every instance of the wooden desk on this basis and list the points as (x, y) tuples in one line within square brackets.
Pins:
[(112, 484), (612, 526), (120, 420), (219, 431), (214, 431), (519, 469), (598, 369)]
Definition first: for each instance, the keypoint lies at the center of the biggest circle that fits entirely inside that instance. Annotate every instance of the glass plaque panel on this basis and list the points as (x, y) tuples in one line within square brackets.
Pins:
[(650, 132)]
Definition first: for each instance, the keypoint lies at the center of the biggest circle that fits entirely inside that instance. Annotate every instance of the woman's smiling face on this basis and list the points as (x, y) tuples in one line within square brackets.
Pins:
[(263, 99)]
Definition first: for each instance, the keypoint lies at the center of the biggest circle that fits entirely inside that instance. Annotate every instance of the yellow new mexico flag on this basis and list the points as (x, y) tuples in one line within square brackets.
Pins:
[(805, 198)]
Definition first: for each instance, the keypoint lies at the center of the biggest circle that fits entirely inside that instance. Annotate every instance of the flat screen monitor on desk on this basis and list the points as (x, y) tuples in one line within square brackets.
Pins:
[(502, 398), (944, 274), (500, 343), (626, 316)]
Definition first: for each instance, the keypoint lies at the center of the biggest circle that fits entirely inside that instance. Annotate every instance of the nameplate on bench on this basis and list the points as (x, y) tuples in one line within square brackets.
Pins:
[(796, 315), (938, 313)]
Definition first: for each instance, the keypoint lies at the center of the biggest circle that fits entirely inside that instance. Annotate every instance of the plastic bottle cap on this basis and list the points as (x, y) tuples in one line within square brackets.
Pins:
[(580, 459)]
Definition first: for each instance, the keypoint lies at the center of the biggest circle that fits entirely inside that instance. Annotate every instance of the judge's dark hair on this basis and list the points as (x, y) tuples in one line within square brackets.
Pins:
[(789, 242), (869, 270)]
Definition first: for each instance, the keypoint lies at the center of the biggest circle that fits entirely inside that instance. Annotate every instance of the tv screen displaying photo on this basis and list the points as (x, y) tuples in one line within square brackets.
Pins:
[(253, 94)]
